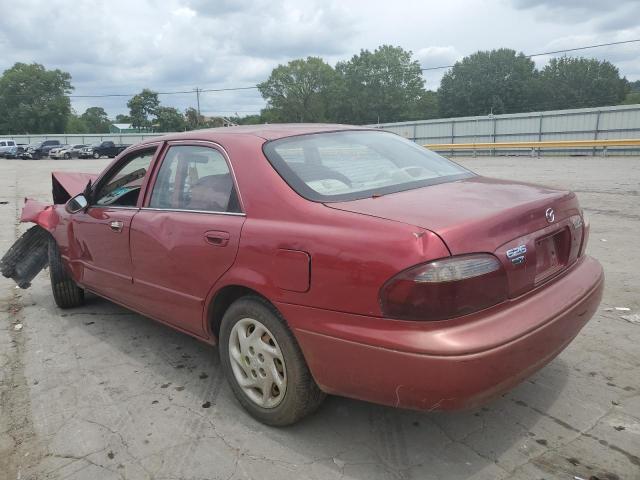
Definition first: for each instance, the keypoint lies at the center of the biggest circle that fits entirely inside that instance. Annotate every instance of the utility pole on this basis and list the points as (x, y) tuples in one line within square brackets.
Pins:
[(198, 102)]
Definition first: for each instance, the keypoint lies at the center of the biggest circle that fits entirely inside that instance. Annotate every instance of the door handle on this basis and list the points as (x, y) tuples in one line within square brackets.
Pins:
[(216, 238), (116, 226)]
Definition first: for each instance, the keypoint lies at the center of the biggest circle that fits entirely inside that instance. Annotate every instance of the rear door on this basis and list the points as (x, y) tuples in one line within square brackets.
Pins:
[(187, 234), (99, 237)]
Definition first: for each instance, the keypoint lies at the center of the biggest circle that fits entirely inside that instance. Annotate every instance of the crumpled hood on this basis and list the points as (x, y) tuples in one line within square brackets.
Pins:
[(69, 184)]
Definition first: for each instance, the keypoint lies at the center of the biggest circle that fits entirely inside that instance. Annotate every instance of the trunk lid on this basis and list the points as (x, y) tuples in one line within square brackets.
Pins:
[(502, 217)]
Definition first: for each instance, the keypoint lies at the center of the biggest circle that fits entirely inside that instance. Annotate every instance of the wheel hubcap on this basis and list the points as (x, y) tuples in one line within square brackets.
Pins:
[(257, 363)]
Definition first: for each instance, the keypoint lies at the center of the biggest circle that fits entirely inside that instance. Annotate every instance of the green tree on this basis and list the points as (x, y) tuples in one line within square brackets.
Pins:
[(193, 119), (75, 124), (143, 108), (496, 81), (385, 85), (120, 118), (427, 106), (571, 82), (248, 120), (632, 98), (96, 120), (169, 119), (299, 91), (34, 99)]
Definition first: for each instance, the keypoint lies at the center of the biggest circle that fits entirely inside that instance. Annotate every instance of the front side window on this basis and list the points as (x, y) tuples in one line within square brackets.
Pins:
[(350, 165), (194, 178), (122, 186)]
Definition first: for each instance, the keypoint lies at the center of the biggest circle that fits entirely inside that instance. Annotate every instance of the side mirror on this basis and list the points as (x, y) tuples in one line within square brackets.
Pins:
[(77, 203)]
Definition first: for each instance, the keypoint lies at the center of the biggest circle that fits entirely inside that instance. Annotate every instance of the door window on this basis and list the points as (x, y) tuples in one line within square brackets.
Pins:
[(122, 185), (194, 178)]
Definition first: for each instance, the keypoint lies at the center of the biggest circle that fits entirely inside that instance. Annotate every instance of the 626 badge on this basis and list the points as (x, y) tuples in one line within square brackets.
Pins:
[(517, 254)]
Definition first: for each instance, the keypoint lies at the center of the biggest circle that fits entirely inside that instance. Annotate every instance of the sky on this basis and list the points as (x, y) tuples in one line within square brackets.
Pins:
[(123, 46)]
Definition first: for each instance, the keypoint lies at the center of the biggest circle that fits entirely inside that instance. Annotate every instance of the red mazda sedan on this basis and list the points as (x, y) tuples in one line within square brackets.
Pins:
[(326, 259)]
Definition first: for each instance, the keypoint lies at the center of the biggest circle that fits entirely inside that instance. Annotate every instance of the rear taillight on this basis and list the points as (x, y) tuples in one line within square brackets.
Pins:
[(445, 288)]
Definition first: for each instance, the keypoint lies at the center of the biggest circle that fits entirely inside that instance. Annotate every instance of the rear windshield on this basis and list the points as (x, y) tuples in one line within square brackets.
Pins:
[(339, 166)]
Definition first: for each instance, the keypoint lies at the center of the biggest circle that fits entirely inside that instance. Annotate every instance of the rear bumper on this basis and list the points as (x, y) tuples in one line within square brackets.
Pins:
[(451, 364)]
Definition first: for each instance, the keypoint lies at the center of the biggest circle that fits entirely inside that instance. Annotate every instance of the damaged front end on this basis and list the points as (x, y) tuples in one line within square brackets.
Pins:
[(30, 253)]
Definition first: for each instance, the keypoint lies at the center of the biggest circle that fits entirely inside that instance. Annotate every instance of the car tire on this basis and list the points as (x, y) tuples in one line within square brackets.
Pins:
[(96, 155), (67, 156), (277, 349), (66, 292)]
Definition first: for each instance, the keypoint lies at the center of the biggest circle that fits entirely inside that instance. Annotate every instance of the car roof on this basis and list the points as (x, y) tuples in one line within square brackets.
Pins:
[(265, 131)]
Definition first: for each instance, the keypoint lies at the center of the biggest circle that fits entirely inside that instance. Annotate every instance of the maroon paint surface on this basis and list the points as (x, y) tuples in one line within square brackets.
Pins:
[(322, 266)]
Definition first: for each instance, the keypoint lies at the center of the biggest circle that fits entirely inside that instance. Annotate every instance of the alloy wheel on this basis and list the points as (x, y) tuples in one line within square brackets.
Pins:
[(257, 363)]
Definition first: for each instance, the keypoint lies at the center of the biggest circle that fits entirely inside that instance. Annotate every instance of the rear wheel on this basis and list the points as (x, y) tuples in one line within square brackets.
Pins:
[(65, 291), (96, 155), (264, 365)]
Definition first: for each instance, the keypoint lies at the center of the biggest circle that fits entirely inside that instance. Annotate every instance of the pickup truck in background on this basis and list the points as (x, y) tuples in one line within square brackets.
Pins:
[(40, 149), (104, 149)]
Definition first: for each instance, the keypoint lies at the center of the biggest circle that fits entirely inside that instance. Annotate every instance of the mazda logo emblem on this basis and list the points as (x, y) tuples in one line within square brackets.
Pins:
[(550, 215)]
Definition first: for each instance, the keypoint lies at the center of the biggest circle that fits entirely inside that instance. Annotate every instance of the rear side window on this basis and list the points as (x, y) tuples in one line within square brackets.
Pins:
[(194, 178), (3, 144), (350, 165)]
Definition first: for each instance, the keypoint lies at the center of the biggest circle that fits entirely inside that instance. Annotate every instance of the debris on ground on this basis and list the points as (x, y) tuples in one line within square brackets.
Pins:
[(17, 327), (635, 318)]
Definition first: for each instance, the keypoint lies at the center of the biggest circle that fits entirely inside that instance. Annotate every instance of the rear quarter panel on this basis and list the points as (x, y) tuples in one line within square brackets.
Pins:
[(352, 255)]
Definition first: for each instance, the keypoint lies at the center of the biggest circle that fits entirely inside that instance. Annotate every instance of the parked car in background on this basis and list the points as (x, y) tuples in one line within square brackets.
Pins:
[(55, 151), (41, 149), (6, 144), (16, 151), (74, 151), (25, 155), (66, 151), (104, 149), (324, 259)]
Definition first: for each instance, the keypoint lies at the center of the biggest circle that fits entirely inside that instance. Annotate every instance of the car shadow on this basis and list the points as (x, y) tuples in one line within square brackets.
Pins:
[(358, 439)]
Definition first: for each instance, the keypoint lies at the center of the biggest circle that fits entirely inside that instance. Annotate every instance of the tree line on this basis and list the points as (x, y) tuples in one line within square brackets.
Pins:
[(384, 85), (36, 100)]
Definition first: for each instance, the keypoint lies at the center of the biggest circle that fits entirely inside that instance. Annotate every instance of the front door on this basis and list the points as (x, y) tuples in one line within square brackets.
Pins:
[(187, 236), (99, 237)]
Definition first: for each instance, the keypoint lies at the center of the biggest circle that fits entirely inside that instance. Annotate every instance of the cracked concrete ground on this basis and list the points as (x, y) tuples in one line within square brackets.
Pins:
[(100, 392)]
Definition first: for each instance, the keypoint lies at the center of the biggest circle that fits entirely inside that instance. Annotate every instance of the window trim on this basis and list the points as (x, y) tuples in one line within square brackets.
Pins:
[(234, 214), (191, 143)]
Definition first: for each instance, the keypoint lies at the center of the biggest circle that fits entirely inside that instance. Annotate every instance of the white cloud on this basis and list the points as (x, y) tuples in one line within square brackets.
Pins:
[(122, 46)]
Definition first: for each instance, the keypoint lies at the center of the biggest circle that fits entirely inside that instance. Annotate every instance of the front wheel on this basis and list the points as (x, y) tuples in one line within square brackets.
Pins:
[(96, 155), (67, 156), (264, 365), (65, 291)]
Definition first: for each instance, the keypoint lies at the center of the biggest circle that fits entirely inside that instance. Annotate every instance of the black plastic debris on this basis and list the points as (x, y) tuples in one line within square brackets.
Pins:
[(26, 257)]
